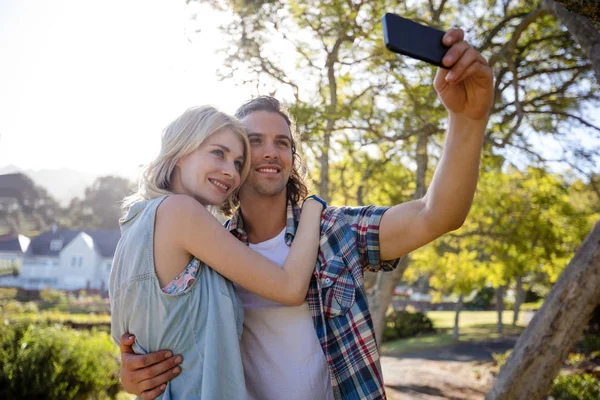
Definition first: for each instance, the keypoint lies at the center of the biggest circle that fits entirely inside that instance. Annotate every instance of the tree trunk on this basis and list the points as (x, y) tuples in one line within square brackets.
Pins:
[(590, 9), (499, 307), (556, 326), (520, 295), (382, 293), (459, 306), (586, 34)]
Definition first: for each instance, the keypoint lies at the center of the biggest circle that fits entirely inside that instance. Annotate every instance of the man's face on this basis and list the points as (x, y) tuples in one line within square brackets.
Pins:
[(270, 153)]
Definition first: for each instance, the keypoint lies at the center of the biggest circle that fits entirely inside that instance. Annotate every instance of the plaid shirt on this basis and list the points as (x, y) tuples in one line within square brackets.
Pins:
[(336, 294)]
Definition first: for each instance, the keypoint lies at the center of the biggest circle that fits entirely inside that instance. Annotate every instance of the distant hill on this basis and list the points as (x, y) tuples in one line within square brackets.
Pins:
[(63, 183)]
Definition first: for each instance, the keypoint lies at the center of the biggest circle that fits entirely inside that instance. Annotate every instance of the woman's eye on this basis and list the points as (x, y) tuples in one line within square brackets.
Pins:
[(218, 153), (238, 165)]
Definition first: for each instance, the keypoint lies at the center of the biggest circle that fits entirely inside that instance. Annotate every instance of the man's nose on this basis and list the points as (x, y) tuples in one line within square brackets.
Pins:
[(270, 151)]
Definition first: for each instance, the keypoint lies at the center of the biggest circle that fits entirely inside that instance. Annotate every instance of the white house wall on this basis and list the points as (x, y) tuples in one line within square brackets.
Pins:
[(78, 262), (38, 272)]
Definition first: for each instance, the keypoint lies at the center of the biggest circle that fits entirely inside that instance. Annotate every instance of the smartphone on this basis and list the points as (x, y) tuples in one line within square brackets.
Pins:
[(411, 39)]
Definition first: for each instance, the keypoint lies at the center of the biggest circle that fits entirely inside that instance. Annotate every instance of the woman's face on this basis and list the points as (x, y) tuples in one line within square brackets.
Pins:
[(212, 171)]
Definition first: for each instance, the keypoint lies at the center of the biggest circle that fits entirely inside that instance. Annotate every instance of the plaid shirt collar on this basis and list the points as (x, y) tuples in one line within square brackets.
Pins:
[(236, 224)]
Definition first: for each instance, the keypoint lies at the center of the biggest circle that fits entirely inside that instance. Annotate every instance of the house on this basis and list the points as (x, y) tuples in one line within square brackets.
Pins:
[(12, 251), (68, 260)]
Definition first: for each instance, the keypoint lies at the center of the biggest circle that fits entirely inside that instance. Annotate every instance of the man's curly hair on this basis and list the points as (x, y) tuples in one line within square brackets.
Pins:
[(296, 187)]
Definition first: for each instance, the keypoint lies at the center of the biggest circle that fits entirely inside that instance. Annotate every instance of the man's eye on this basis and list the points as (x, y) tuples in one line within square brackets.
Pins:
[(283, 143), (254, 141)]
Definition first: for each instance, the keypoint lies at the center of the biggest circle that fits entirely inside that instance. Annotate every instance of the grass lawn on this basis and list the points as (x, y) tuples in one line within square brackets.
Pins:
[(473, 326)]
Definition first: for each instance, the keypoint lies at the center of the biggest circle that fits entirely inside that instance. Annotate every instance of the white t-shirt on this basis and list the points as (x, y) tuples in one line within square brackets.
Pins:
[(281, 353)]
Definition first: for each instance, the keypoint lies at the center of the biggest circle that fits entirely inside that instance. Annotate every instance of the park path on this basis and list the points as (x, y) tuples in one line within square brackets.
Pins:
[(457, 372)]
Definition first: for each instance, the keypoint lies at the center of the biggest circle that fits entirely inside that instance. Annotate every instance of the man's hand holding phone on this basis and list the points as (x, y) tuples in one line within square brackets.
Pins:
[(465, 80), (467, 87)]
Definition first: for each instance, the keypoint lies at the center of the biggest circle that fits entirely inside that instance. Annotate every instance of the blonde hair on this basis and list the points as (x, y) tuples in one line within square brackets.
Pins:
[(182, 136)]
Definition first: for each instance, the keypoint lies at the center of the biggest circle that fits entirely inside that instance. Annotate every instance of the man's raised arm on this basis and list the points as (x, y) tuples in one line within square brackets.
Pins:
[(466, 90)]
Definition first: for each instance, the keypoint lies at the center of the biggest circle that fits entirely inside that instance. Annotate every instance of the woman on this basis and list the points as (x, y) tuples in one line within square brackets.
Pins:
[(169, 282)]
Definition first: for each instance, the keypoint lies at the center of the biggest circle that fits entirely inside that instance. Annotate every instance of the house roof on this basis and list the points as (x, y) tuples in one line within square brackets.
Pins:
[(105, 241), (13, 244)]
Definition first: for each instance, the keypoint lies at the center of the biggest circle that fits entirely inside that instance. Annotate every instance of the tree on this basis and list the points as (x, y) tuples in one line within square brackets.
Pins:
[(542, 348), (25, 207), (350, 95), (545, 343), (590, 9), (100, 206), (585, 31)]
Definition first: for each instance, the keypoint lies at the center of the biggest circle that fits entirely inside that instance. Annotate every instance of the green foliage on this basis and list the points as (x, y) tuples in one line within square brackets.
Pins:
[(482, 300), (100, 207), (500, 358), (8, 293), (403, 324), (532, 306), (576, 387), (53, 297), (30, 208), (590, 344), (53, 362)]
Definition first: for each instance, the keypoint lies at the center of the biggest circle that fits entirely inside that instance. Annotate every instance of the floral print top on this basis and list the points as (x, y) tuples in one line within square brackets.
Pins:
[(184, 280)]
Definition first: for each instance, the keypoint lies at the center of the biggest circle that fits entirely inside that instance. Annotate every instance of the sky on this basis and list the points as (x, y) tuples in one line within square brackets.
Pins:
[(89, 85)]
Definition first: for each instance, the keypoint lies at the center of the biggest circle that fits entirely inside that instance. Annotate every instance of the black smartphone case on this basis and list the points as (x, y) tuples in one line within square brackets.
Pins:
[(409, 38)]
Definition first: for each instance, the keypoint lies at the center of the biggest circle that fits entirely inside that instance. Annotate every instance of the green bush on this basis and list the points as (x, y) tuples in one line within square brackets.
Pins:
[(8, 293), (482, 300), (590, 344), (12, 307), (403, 324), (575, 387), (54, 297), (54, 362)]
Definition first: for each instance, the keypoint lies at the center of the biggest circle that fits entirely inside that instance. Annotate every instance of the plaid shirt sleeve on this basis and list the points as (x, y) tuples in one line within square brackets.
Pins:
[(364, 222)]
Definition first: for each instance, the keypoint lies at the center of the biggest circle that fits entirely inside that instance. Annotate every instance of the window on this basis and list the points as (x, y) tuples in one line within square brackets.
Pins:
[(80, 261), (73, 261), (56, 244)]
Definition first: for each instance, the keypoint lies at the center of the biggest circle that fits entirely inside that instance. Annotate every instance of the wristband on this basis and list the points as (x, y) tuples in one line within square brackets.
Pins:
[(316, 198)]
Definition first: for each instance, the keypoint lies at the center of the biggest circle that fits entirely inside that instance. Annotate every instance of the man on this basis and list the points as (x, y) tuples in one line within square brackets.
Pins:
[(341, 361)]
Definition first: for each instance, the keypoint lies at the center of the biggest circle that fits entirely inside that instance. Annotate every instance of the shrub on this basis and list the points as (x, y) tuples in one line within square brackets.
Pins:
[(575, 387), (52, 296), (590, 344), (482, 300), (499, 361), (531, 296), (12, 307), (53, 362), (8, 293), (403, 324)]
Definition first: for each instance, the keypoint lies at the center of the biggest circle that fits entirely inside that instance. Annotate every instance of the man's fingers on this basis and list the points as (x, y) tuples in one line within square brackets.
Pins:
[(126, 342), (455, 53), (155, 370), (158, 380), (452, 36), (133, 362), (469, 57), (154, 393)]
